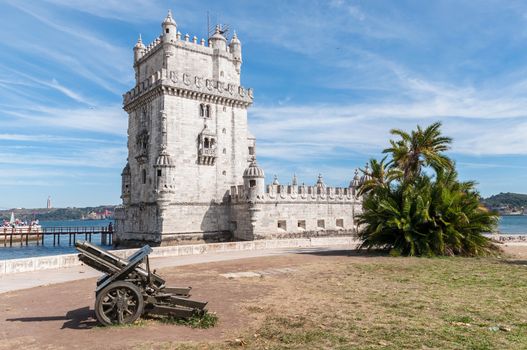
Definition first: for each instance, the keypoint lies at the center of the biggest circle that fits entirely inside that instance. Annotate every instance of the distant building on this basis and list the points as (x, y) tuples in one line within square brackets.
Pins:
[(49, 203), (192, 170)]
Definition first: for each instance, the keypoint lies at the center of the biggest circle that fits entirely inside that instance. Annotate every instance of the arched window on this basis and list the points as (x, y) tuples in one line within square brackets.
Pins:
[(206, 143), (207, 111), (143, 175), (202, 110), (212, 143)]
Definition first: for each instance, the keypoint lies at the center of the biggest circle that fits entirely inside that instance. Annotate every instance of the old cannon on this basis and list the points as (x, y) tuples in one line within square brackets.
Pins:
[(128, 289)]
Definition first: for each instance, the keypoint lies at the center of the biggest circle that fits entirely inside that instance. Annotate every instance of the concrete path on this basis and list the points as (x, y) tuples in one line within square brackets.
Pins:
[(33, 279)]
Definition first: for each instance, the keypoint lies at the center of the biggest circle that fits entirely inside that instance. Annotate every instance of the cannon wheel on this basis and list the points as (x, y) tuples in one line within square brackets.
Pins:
[(119, 303)]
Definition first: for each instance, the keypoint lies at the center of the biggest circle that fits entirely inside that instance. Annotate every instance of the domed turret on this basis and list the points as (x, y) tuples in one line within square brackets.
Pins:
[(139, 49), (355, 183), (253, 171), (367, 175), (169, 28), (253, 180), (236, 49), (164, 174), (163, 160), (218, 41), (126, 183), (320, 185)]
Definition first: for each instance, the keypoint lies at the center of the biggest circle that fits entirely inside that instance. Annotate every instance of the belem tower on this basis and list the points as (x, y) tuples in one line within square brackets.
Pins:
[(192, 172)]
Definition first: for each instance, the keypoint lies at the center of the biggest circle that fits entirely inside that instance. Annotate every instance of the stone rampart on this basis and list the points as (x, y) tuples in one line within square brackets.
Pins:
[(286, 193), (69, 260)]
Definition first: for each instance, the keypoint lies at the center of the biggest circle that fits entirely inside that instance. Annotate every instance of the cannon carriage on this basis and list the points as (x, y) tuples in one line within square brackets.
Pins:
[(128, 289)]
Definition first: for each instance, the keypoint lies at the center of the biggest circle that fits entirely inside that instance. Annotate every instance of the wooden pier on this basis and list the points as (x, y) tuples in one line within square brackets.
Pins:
[(16, 236)]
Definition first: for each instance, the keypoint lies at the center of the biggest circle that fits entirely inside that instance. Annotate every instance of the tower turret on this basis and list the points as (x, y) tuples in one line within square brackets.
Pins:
[(355, 183), (253, 180), (139, 49), (367, 175), (126, 183), (236, 49), (164, 166), (218, 41), (169, 28)]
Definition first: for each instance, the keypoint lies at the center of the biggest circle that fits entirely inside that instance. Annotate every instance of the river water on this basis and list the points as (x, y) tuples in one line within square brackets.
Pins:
[(32, 249), (507, 224)]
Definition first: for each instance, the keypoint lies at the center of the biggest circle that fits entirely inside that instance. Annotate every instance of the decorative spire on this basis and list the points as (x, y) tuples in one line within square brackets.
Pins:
[(235, 39), (275, 180), (294, 182), (356, 180), (169, 19), (367, 175), (139, 44), (320, 181)]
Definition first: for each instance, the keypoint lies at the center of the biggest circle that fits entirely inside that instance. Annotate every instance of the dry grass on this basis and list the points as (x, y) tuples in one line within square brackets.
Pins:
[(389, 303)]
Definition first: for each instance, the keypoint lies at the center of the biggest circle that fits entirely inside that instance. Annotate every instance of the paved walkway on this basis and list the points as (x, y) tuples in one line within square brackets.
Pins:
[(33, 279)]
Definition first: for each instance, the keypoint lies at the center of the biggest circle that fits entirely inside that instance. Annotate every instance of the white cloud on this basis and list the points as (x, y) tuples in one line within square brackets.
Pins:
[(129, 11), (109, 157), (54, 139), (106, 119)]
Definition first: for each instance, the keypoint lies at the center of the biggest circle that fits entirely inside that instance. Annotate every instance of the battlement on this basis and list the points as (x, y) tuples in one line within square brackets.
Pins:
[(174, 82), (184, 42), (302, 193)]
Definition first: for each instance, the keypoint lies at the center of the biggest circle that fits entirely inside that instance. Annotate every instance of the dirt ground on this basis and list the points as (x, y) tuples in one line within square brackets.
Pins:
[(61, 316)]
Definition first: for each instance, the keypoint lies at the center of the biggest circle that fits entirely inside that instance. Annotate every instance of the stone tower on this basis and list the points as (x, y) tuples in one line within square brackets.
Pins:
[(188, 139)]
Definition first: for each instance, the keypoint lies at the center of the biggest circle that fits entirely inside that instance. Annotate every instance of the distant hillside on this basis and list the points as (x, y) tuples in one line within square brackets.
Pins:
[(43, 214), (512, 200)]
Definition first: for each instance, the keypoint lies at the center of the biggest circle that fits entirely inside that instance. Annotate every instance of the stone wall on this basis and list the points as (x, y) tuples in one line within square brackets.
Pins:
[(293, 211), (64, 261)]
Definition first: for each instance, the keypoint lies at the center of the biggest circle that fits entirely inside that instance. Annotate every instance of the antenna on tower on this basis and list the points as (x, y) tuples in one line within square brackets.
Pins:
[(212, 23)]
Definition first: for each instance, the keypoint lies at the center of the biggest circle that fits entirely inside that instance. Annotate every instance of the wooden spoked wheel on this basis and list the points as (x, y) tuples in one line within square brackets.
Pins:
[(119, 303)]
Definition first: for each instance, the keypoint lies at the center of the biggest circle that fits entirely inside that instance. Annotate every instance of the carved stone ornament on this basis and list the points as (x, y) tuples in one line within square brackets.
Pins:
[(173, 76), (186, 79), (208, 84), (199, 82)]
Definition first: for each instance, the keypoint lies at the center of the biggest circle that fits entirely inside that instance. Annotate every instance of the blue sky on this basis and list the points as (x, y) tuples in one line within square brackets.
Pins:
[(331, 78)]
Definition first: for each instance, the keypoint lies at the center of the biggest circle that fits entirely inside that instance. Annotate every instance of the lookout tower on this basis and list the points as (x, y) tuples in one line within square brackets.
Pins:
[(188, 139)]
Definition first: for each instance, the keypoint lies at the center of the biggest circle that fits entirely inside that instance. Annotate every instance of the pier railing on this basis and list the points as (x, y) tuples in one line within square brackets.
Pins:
[(21, 236)]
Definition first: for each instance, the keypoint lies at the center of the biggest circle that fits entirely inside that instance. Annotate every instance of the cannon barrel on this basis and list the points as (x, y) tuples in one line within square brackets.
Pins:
[(108, 263)]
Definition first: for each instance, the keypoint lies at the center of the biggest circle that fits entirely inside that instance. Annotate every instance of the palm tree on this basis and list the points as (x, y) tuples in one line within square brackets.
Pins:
[(377, 174), (412, 213), (426, 217), (419, 148)]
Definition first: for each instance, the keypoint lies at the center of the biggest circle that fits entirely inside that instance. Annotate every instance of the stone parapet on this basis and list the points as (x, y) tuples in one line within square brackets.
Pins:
[(281, 193), (185, 84), (70, 260)]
